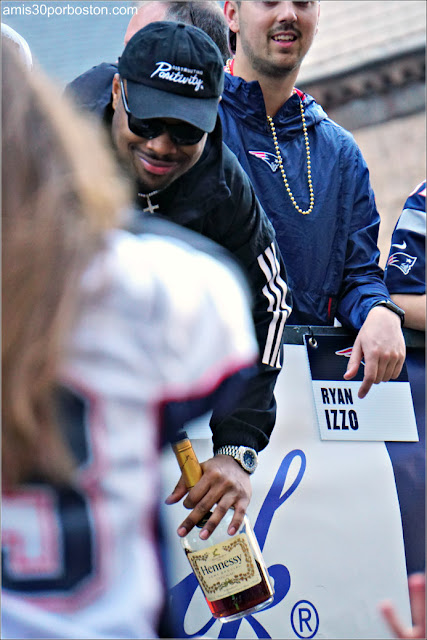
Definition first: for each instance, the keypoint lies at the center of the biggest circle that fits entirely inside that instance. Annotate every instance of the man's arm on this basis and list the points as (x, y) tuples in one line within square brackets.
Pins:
[(405, 269), (249, 235), (414, 306), (380, 342), (207, 359)]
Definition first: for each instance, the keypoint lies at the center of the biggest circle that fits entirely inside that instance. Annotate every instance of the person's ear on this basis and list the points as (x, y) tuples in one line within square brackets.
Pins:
[(232, 16), (116, 93)]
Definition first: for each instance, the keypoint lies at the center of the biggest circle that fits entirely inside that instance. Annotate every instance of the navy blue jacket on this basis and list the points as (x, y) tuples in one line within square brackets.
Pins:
[(331, 255)]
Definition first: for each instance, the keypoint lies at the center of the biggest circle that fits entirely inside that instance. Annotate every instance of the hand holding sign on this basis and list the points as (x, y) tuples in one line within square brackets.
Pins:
[(386, 414), (380, 344)]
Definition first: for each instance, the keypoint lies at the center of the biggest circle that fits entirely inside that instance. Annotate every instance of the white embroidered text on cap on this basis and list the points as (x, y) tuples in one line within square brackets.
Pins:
[(167, 71)]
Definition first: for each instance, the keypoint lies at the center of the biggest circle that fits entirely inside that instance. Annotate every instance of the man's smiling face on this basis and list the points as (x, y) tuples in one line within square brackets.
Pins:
[(274, 37), (155, 163)]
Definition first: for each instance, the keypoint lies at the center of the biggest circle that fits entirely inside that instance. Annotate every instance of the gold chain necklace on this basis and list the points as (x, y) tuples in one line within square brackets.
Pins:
[(280, 159)]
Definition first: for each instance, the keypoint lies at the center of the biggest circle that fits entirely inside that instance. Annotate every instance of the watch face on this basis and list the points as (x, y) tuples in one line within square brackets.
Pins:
[(249, 459)]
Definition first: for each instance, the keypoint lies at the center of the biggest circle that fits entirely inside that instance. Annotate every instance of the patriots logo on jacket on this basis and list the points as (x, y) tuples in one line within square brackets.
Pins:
[(269, 158), (347, 353), (402, 261)]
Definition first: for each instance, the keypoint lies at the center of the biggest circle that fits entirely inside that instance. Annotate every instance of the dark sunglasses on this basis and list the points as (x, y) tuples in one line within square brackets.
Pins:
[(181, 134)]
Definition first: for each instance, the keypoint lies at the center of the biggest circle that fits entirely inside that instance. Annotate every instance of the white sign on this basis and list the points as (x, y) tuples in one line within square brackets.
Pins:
[(385, 414), (327, 518)]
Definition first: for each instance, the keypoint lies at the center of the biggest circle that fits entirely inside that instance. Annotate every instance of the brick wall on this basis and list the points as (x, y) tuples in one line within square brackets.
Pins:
[(395, 152)]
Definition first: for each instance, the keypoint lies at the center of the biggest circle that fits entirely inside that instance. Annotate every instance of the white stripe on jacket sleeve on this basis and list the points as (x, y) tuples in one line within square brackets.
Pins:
[(275, 291)]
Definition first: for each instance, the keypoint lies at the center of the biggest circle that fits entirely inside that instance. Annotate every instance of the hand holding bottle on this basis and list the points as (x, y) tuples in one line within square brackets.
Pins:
[(229, 567), (225, 484)]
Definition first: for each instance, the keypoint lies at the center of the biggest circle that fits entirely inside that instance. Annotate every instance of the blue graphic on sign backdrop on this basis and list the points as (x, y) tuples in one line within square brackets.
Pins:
[(182, 594), (304, 619)]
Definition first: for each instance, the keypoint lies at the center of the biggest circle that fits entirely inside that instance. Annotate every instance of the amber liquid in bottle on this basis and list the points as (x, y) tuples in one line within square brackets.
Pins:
[(226, 595)]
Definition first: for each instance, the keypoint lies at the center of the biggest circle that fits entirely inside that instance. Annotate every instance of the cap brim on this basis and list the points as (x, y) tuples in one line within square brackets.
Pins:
[(148, 102)]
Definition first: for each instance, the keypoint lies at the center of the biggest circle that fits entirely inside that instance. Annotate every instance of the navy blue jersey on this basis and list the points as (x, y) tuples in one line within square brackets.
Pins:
[(405, 270)]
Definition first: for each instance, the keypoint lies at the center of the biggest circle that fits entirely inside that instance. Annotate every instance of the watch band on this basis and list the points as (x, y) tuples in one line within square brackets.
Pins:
[(389, 304), (228, 450), (245, 456)]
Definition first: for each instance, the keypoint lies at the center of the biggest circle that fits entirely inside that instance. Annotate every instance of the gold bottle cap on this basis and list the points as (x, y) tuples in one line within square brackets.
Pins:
[(188, 463)]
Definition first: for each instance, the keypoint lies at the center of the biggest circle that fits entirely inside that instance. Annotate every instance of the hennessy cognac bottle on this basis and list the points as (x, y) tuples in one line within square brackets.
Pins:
[(230, 569)]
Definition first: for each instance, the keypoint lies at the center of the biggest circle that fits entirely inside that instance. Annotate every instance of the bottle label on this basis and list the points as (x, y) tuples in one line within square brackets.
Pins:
[(226, 568)]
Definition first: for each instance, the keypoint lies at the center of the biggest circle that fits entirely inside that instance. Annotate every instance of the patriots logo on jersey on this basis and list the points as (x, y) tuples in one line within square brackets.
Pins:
[(269, 158), (346, 353), (402, 261)]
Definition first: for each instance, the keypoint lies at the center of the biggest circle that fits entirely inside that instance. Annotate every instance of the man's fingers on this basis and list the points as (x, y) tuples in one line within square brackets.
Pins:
[(354, 362), (178, 493), (392, 620), (351, 371), (239, 514), (225, 484), (200, 511), (214, 520), (193, 518), (220, 511), (398, 367), (384, 370), (417, 594), (381, 344), (371, 368), (205, 504), (380, 370), (389, 367), (364, 388), (392, 366)]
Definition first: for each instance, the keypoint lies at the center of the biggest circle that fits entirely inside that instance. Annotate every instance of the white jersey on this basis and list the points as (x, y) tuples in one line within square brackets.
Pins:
[(159, 321)]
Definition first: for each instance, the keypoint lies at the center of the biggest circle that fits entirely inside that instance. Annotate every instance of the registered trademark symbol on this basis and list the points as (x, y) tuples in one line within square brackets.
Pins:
[(304, 619)]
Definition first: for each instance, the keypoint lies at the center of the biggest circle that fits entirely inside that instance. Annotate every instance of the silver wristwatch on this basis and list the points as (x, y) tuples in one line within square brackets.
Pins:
[(245, 456)]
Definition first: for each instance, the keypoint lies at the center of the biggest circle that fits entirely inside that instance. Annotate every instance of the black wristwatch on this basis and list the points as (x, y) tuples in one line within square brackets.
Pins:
[(393, 307), (245, 456)]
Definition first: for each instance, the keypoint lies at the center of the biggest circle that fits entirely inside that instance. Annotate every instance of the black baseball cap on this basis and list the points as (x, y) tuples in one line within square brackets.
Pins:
[(173, 70)]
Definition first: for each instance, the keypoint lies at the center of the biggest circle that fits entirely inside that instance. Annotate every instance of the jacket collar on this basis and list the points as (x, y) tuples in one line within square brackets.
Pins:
[(247, 101)]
